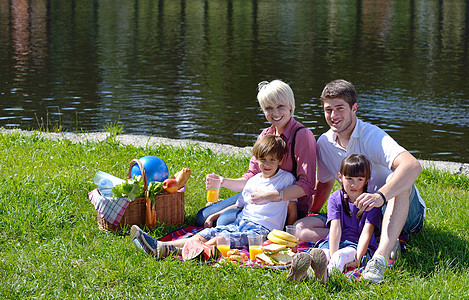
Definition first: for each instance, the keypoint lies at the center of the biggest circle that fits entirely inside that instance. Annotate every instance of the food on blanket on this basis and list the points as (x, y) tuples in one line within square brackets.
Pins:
[(233, 252), (235, 257), (170, 185), (196, 250), (273, 248), (282, 238), (275, 255), (182, 177)]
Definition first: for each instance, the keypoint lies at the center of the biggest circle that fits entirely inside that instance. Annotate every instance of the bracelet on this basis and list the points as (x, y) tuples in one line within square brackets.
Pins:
[(281, 195), (382, 196)]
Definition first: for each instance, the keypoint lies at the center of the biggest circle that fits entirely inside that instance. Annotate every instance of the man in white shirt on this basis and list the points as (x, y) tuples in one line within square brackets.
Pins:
[(393, 173)]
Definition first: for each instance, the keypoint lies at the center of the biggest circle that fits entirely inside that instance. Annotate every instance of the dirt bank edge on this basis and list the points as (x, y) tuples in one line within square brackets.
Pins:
[(143, 141)]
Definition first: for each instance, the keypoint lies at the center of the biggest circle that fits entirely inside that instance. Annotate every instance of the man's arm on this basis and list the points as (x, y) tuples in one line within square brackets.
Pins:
[(406, 170), (323, 189)]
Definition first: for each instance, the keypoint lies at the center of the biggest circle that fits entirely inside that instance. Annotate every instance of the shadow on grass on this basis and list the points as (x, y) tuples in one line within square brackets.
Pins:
[(435, 249)]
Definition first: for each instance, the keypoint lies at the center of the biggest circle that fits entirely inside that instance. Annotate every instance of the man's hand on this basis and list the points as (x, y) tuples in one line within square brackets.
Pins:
[(367, 201)]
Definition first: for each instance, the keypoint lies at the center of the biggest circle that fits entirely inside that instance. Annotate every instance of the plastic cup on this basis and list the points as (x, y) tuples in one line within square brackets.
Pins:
[(223, 242), (291, 229), (213, 187), (255, 245)]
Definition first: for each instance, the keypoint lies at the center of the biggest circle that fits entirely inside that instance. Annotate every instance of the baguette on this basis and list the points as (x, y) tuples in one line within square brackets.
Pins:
[(182, 177)]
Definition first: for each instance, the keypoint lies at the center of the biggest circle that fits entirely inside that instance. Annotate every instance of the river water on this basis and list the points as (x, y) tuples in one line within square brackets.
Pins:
[(189, 69)]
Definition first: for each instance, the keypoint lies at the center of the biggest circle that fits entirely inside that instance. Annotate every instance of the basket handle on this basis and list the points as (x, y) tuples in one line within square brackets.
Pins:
[(144, 174)]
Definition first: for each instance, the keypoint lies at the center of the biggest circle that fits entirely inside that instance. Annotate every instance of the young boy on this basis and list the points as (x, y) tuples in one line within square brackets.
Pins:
[(269, 151)]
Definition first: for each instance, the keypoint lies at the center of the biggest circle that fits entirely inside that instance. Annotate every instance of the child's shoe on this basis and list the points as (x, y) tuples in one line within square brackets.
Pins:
[(149, 244), (319, 264), (299, 266)]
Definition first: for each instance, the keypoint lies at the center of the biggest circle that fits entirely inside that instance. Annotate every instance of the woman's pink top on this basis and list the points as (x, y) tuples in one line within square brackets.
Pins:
[(305, 153)]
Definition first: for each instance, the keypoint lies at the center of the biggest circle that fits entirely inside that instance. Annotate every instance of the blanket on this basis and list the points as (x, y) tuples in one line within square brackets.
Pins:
[(303, 246), (109, 209)]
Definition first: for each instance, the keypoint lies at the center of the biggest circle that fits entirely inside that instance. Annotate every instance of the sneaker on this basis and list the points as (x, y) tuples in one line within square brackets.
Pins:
[(149, 244), (319, 264), (396, 251), (374, 270), (299, 266)]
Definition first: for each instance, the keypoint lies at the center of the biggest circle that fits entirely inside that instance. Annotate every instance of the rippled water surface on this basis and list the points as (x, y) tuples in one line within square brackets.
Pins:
[(189, 69)]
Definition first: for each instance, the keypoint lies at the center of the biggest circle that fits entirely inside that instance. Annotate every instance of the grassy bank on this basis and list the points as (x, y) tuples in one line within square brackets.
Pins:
[(51, 246)]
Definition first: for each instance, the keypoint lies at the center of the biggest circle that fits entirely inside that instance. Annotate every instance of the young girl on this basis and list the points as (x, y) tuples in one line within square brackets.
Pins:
[(351, 241)]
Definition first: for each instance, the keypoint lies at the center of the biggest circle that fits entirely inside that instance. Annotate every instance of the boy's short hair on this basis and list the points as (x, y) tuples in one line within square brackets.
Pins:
[(340, 89), (269, 144), (274, 93)]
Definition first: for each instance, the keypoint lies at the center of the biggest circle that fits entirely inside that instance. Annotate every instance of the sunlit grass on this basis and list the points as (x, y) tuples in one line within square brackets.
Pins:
[(51, 247)]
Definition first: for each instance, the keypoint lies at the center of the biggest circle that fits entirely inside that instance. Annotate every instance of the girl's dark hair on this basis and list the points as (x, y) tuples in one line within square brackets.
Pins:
[(354, 165)]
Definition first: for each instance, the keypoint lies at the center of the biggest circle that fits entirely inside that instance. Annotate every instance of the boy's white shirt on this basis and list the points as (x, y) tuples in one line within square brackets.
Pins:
[(271, 215)]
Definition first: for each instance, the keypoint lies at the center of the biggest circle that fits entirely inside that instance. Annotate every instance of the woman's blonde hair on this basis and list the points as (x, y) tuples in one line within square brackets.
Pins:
[(274, 93)]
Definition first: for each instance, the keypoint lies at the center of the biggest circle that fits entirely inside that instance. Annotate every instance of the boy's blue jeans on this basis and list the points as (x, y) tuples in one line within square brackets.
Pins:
[(227, 217)]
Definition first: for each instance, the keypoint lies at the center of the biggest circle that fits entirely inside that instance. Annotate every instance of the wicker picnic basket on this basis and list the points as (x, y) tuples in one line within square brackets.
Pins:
[(135, 212), (168, 208)]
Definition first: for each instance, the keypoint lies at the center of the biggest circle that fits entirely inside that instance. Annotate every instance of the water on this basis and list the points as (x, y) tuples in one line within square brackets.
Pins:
[(189, 69)]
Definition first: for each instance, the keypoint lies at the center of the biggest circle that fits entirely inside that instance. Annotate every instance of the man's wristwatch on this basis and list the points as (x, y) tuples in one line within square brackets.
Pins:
[(382, 196)]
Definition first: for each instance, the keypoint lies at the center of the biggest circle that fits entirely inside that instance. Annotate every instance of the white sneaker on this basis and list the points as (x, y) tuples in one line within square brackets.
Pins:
[(396, 251), (374, 270)]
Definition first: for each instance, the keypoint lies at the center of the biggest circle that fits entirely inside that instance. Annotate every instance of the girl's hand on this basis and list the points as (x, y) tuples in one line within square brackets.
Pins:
[(353, 265), (212, 180)]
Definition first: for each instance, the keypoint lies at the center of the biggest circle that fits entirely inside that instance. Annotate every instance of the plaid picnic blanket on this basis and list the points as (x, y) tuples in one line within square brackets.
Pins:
[(109, 209), (303, 246)]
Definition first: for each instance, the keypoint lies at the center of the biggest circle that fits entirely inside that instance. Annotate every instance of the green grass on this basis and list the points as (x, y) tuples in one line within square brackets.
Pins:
[(51, 247)]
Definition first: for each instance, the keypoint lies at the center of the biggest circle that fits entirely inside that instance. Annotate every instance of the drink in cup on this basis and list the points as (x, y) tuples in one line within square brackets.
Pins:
[(223, 242), (255, 245), (291, 229), (213, 187)]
